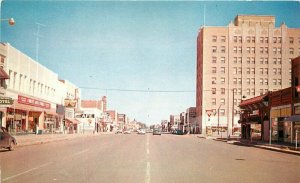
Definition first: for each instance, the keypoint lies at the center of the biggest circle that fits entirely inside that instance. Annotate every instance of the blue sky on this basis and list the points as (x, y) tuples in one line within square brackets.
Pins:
[(127, 45)]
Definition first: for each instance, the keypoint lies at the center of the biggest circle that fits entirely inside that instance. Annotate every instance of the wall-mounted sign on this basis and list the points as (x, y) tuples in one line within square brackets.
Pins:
[(6, 101), (84, 115), (33, 102), (70, 103)]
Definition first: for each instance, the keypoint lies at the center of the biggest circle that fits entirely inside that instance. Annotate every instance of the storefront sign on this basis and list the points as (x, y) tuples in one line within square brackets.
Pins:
[(297, 109), (70, 103), (85, 115), (6, 101), (33, 102)]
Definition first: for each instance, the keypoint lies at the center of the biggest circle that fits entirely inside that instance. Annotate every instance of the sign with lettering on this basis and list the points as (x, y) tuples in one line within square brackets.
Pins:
[(70, 103), (33, 102), (6, 101), (85, 115)]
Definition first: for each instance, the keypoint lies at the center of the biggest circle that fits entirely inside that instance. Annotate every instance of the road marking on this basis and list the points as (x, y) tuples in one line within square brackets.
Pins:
[(147, 178), (80, 152), (27, 171)]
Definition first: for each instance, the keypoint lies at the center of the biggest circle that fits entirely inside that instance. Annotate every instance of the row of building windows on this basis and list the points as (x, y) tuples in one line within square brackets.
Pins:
[(252, 39), (249, 60), (249, 81), (251, 50), (23, 83), (238, 70)]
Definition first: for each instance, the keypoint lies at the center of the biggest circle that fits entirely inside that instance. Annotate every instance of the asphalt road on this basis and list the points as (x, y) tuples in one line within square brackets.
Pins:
[(146, 158)]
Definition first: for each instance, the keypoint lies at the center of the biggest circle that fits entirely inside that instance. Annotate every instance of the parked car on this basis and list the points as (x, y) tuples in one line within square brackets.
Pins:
[(6, 140), (119, 131), (142, 132), (179, 132), (127, 132), (156, 132)]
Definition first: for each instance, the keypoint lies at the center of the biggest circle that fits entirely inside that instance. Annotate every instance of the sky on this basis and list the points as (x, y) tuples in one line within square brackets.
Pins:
[(140, 54)]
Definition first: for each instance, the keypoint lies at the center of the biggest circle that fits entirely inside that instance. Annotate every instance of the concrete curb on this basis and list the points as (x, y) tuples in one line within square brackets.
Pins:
[(276, 149)]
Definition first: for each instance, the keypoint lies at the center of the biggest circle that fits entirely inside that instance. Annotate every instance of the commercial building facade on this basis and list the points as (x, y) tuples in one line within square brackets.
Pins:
[(36, 91), (247, 58)]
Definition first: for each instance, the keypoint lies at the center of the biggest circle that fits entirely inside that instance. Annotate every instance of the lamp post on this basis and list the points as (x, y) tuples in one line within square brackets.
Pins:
[(11, 22), (219, 118)]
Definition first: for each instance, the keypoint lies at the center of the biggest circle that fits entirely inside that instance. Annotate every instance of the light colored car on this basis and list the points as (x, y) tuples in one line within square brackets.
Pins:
[(142, 132), (6, 140), (127, 132), (119, 131), (156, 132)]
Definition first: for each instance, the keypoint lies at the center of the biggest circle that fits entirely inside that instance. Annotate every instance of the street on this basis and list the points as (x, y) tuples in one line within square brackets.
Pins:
[(146, 158)]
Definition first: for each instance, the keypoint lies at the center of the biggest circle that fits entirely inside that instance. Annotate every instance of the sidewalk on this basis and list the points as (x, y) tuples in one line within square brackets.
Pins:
[(32, 139), (278, 147)]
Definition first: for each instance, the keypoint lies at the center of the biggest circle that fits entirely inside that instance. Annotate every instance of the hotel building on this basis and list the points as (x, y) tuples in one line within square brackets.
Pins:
[(247, 58)]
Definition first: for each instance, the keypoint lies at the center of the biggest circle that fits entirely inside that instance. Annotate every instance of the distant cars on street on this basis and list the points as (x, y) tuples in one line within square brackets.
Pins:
[(156, 132), (6, 140), (119, 131), (141, 132), (127, 132)]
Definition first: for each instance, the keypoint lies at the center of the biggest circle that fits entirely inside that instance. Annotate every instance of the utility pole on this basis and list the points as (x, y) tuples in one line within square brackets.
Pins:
[(38, 40)]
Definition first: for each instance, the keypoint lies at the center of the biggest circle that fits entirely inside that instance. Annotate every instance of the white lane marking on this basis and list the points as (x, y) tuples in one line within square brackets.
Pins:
[(27, 171), (80, 152), (147, 178)]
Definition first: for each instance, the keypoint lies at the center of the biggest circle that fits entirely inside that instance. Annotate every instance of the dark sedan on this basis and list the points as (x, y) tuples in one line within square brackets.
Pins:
[(6, 140)]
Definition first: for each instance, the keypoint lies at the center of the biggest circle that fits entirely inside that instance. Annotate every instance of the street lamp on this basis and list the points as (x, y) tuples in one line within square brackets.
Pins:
[(11, 21)]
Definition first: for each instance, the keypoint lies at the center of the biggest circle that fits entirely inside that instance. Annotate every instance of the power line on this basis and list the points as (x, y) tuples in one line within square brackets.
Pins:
[(136, 90)]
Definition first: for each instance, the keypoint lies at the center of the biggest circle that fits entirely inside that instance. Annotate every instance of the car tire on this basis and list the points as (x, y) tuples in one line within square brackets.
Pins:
[(11, 146)]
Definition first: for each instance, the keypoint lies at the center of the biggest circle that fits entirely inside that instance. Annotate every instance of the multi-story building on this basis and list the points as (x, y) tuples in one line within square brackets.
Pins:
[(37, 94), (122, 120), (247, 58), (190, 124), (175, 122)]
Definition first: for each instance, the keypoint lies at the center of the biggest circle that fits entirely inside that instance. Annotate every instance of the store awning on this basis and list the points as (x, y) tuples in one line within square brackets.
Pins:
[(3, 74), (293, 118), (253, 100), (74, 121)]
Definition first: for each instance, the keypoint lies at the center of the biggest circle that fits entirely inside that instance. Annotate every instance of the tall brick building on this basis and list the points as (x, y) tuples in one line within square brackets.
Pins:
[(247, 58)]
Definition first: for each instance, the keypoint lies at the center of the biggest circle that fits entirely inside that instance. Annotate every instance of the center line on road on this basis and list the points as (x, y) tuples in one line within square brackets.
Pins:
[(80, 152), (147, 178), (22, 173)]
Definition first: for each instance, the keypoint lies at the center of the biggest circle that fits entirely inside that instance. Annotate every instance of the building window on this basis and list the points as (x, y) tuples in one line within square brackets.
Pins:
[(279, 81), (240, 80), (274, 39), (253, 81), (266, 61), (248, 91), (261, 39), (291, 40), (239, 91), (222, 70), (240, 60), (291, 50), (261, 81), (253, 91), (213, 90), (223, 91), (235, 70), (252, 70), (266, 50), (240, 39), (222, 101), (274, 50), (248, 70), (279, 60), (252, 60), (266, 40), (235, 39), (279, 71), (266, 71), (240, 70), (213, 101), (248, 49), (235, 60), (261, 49), (279, 50), (214, 39), (213, 80), (261, 91), (240, 49), (248, 81), (223, 39), (274, 60), (222, 49), (261, 71), (223, 60), (214, 59), (214, 49), (253, 50), (248, 39), (274, 82), (235, 81), (235, 49), (253, 39), (222, 80), (214, 70), (248, 60), (222, 112), (266, 82), (274, 71), (279, 40), (261, 60)]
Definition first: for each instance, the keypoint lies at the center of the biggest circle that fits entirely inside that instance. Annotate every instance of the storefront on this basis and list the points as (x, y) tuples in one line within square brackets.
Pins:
[(254, 118)]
